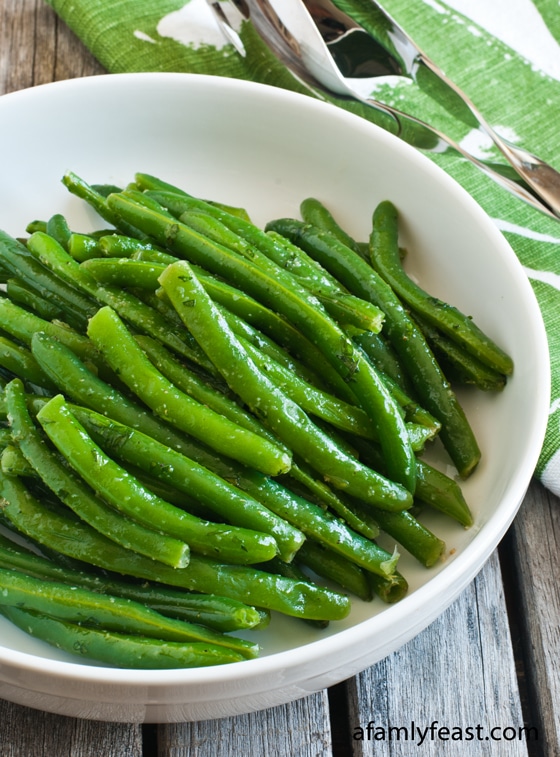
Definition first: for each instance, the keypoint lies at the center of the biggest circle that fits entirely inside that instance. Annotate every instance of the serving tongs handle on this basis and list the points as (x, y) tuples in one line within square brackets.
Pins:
[(399, 54), (525, 176)]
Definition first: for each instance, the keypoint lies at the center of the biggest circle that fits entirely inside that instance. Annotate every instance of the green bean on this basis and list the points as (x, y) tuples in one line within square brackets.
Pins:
[(19, 361), (82, 246), (443, 493), (340, 305), (272, 334), (389, 591), (105, 189), (245, 331), (284, 417), (294, 308), (129, 496), (118, 649), (242, 236), (144, 181), (188, 382), (313, 211), (265, 320), (401, 526), (293, 571), (123, 354), (431, 385), (152, 254), (119, 245), (240, 326), (385, 258), (460, 366), (133, 310), (67, 315), (382, 355), (143, 272), (144, 199), (5, 435), (126, 272), (279, 290), (220, 613), (18, 260), (70, 489), (23, 325), (316, 402), (302, 481), (231, 209), (13, 462), (420, 435), (291, 257), (412, 411), (328, 564), (57, 227), (348, 310), (190, 477), (50, 527), (425, 546), (36, 225), (77, 382), (433, 487), (292, 597), (91, 609), (161, 488), (77, 186), (182, 473), (22, 294), (74, 378)]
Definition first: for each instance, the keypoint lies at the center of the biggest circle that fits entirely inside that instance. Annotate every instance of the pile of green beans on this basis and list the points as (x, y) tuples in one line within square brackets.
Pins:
[(204, 423)]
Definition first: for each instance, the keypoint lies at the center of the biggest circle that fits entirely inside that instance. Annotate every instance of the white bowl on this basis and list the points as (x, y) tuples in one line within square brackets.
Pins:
[(267, 149)]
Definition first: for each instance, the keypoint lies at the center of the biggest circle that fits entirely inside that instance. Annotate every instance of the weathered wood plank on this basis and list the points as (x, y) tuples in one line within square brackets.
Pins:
[(535, 541), (27, 732), (36, 47), (301, 728), (458, 674)]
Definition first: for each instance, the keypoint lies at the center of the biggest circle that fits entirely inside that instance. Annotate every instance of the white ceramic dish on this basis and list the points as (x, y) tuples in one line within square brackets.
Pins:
[(267, 149)]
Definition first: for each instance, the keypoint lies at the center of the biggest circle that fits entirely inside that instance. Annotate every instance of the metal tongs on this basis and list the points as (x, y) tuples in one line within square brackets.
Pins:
[(330, 53)]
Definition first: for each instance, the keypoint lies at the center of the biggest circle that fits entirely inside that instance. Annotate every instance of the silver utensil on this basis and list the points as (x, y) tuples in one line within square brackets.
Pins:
[(331, 54)]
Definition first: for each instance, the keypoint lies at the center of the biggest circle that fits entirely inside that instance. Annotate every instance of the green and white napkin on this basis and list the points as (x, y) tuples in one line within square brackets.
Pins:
[(504, 53)]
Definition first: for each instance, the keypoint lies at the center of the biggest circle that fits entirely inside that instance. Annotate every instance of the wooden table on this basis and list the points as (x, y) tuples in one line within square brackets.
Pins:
[(490, 662)]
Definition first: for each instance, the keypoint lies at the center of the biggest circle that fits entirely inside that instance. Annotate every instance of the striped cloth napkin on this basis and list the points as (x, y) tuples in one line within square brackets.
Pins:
[(505, 54)]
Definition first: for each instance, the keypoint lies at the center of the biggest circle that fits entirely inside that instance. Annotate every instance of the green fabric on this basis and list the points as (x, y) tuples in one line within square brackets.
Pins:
[(514, 93)]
